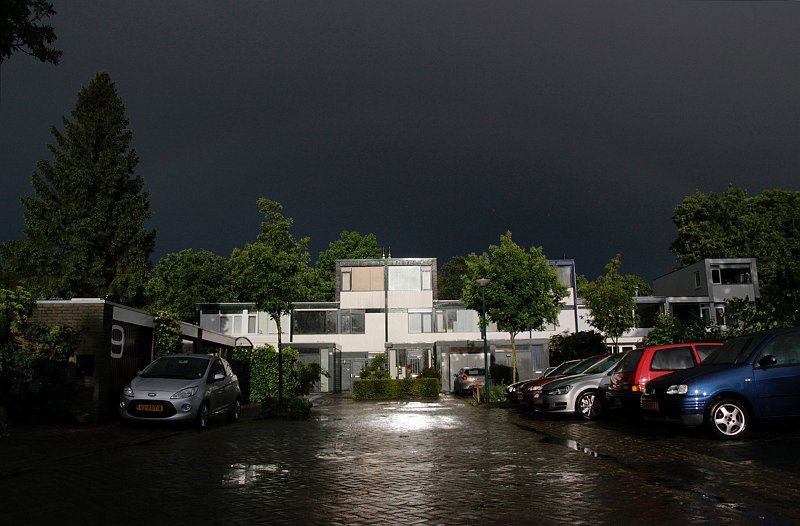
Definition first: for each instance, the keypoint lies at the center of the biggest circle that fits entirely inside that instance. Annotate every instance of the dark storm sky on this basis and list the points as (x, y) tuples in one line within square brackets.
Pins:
[(437, 126)]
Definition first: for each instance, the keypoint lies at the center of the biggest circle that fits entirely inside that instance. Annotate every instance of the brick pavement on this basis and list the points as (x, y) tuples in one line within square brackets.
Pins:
[(382, 463)]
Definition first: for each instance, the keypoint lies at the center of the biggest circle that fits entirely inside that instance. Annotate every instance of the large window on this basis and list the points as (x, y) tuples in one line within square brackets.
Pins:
[(315, 322), (731, 274), (452, 319), (419, 322), (564, 275), (412, 277), (362, 279), (352, 322)]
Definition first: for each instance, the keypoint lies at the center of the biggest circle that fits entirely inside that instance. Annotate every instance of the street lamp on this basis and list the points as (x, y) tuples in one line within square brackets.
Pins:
[(483, 282)]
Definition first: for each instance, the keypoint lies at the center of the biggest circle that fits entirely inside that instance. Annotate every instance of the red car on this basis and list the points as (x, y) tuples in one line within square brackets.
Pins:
[(630, 376), (527, 391)]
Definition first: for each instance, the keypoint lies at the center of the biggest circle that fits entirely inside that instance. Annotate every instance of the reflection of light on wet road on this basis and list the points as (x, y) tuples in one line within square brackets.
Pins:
[(243, 474), (413, 416)]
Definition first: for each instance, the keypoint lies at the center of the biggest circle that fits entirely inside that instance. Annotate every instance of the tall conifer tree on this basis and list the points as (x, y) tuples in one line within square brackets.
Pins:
[(85, 223)]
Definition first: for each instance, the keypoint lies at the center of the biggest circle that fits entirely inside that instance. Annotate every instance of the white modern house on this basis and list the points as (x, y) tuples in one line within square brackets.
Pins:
[(390, 306)]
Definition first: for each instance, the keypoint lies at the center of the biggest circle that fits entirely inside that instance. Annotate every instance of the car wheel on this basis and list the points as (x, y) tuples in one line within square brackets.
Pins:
[(588, 405), (236, 412), (728, 418), (203, 416)]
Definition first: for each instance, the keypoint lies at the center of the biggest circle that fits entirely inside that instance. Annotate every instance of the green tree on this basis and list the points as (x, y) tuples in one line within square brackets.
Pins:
[(22, 30), (183, 279), (167, 337), (671, 329), (272, 272), (33, 358), (581, 344), (350, 245), (85, 224), (451, 278), (732, 225), (610, 302), (524, 292)]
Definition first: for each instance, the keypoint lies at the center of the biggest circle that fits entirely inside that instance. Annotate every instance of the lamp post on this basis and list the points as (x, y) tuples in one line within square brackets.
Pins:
[(483, 282)]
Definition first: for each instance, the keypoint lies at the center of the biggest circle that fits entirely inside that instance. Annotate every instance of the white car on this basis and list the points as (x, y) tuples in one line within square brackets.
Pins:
[(188, 388)]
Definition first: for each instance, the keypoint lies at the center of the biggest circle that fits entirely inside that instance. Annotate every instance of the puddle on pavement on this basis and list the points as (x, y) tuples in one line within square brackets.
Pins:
[(244, 474), (574, 445)]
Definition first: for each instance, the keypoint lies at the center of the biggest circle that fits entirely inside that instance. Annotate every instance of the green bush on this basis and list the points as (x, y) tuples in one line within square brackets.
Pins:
[(501, 373), (430, 372), (375, 369), (388, 389), (33, 360)]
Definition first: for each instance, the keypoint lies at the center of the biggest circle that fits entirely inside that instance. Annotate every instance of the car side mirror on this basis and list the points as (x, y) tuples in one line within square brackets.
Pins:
[(219, 376), (768, 360)]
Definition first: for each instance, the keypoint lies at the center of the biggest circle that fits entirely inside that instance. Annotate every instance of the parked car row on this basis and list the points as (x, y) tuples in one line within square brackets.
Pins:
[(724, 387)]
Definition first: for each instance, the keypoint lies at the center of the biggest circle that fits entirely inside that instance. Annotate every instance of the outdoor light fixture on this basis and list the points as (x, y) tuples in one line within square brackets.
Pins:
[(483, 282)]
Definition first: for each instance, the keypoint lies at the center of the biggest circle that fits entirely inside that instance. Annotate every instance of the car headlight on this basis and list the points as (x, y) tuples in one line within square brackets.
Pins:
[(564, 389), (535, 388), (680, 389), (128, 391), (185, 393)]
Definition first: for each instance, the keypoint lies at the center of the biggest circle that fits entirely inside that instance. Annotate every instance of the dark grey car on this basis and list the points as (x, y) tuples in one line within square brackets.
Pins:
[(188, 388)]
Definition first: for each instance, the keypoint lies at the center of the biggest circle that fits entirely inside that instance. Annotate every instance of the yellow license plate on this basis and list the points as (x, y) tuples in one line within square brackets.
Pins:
[(150, 407), (650, 406)]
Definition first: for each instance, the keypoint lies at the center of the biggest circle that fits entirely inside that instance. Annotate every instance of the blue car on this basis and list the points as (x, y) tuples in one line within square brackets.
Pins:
[(751, 377)]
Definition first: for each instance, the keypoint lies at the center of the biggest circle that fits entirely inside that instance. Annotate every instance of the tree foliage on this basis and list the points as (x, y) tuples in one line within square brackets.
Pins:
[(524, 292), (581, 344), (168, 338), (33, 360), (451, 278), (350, 245), (22, 29), (670, 329), (610, 299), (273, 271), (734, 225), (183, 279), (85, 224), (375, 369)]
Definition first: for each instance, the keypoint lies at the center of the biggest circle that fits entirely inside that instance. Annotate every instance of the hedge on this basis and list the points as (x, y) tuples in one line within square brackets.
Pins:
[(405, 388)]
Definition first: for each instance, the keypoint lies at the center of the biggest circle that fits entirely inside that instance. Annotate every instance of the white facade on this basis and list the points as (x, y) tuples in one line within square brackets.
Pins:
[(389, 306)]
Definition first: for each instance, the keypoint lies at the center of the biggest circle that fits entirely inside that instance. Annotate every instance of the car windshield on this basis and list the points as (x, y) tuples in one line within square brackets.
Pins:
[(734, 351), (179, 367), (605, 364), (581, 366), (561, 368)]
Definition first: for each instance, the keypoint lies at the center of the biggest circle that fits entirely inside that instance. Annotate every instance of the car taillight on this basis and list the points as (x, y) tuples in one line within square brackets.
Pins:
[(464, 377)]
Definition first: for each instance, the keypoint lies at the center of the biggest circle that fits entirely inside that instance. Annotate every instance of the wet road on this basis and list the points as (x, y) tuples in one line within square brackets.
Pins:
[(398, 463)]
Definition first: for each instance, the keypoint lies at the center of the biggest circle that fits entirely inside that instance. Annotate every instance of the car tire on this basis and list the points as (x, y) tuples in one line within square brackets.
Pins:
[(589, 406), (203, 416), (236, 412), (728, 418)]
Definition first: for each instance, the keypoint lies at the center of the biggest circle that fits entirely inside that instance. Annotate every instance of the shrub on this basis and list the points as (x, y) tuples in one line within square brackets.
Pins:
[(33, 361), (500, 373), (387, 389), (430, 372)]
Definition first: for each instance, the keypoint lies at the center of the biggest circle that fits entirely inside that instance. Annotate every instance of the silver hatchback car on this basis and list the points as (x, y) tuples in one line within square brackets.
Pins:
[(467, 379), (578, 394), (188, 388)]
